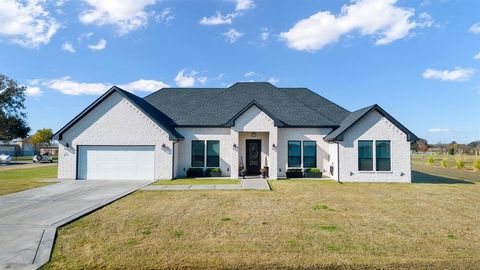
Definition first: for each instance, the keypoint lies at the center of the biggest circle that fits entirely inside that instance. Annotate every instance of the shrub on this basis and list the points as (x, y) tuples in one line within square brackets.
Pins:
[(444, 162), (430, 160), (294, 170), (476, 164), (213, 170), (313, 170), (459, 162), (195, 172)]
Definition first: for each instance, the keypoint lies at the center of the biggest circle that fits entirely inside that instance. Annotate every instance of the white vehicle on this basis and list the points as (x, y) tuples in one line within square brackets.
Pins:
[(5, 158), (42, 158)]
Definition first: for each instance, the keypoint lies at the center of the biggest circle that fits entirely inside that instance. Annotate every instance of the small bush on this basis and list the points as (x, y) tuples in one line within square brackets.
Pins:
[(216, 170), (295, 170), (430, 160), (444, 162), (313, 170), (476, 164), (459, 162)]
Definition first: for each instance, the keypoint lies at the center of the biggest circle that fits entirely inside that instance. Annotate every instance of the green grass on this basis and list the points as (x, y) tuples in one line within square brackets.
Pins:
[(22, 179), (374, 226), (190, 181)]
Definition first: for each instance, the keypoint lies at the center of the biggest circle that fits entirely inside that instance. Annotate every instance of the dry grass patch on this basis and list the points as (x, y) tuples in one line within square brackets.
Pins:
[(373, 226)]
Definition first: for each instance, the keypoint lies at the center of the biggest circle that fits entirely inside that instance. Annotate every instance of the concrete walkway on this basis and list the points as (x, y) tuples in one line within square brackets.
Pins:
[(29, 219), (259, 184)]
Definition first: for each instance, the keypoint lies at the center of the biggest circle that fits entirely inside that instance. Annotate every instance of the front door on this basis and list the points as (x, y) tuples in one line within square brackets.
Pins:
[(254, 148)]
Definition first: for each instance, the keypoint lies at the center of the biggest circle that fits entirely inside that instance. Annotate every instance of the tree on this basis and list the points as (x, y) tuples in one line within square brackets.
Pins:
[(43, 137), (12, 112), (420, 146)]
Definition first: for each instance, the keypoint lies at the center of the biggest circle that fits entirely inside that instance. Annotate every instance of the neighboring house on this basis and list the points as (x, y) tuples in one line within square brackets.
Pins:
[(250, 125), (16, 147)]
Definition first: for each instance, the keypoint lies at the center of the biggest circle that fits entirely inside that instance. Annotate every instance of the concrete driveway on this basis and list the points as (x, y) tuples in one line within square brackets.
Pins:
[(29, 219)]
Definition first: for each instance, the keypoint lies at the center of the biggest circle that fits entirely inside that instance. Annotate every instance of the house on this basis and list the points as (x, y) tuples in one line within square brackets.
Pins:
[(16, 147), (247, 125)]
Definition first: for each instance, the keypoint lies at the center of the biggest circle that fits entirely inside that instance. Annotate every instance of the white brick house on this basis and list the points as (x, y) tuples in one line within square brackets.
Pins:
[(248, 125)]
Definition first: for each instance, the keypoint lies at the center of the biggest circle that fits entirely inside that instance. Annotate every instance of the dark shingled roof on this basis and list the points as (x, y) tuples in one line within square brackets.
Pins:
[(354, 117), (204, 107), (216, 107)]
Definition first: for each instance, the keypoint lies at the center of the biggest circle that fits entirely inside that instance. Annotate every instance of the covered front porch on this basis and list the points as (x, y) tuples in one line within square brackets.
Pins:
[(255, 152)]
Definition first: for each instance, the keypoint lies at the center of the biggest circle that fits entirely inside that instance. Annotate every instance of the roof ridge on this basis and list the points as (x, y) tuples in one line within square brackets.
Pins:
[(333, 121), (202, 105)]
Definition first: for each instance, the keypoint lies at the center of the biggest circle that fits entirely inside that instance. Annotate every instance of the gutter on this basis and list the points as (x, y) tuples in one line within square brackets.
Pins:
[(173, 158), (338, 162)]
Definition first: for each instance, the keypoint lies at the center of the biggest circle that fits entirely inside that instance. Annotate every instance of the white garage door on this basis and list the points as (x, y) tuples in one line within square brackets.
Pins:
[(116, 162)]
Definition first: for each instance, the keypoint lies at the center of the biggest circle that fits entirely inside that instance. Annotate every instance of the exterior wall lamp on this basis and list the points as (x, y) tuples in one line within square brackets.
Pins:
[(235, 147), (164, 147), (274, 147)]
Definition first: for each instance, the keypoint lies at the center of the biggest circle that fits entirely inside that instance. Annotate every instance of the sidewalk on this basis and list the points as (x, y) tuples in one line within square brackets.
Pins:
[(256, 184)]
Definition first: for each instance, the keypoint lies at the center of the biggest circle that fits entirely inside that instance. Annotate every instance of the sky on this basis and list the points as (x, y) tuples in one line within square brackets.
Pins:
[(419, 60)]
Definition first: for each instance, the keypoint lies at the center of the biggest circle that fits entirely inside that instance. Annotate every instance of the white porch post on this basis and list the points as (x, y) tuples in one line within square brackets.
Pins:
[(234, 165), (273, 162)]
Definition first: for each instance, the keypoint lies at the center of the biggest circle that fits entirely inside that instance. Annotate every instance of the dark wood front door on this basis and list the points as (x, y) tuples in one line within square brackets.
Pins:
[(254, 148)]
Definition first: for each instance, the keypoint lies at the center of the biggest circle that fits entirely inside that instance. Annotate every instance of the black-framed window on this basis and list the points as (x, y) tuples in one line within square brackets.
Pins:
[(213, 153), (198, 153), (309, 154), (294, 154), (365, 155), (382, 155)]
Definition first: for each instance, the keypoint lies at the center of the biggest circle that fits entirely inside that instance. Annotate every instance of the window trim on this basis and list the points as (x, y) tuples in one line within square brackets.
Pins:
[(358, 156), (206, 154), (389, 156), (300, 155), (203, 155), (303, 154)]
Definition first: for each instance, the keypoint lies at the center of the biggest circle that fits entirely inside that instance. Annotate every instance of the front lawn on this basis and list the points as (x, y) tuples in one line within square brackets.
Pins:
[(300, 224), (22, 179), (203, 181)]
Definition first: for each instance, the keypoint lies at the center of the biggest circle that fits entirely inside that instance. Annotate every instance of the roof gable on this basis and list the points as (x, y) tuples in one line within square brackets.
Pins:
[(156, 116), (276, 121), (354, 117)]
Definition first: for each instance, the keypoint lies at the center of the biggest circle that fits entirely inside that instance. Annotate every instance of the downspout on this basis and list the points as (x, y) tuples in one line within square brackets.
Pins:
[(338, 162)]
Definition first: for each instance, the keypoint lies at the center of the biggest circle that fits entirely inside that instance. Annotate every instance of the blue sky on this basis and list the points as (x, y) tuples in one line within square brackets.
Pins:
[(419, 60)]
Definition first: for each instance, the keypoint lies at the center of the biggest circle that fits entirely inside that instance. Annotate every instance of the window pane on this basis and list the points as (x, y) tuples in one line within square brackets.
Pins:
[(309, 154), (365, 155), (382, 151), (213, 153), (365, 149), (198, 153), (294, 154)]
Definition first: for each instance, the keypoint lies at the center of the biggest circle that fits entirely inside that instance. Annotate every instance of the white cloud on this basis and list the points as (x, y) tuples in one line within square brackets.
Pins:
[(202, 80), (185, 80), (477, 56), (83, 36), (125, 15), (102, 44), (232, 35), (437, 130), (265, 34), (457, 75), (250, 74), (67, 46), (165, 16), (244, 5), (33, 91), (26, 23), (143, 85), (66, 85), (273, 80), (475, 28), (379, 18), (217, 19)]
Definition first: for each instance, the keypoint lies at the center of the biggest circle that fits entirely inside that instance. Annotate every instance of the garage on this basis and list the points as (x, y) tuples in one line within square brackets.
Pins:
[(116, 162)]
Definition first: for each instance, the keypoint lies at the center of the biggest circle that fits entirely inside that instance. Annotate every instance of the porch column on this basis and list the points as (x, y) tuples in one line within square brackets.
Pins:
[(272, 153), (234, 159)]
